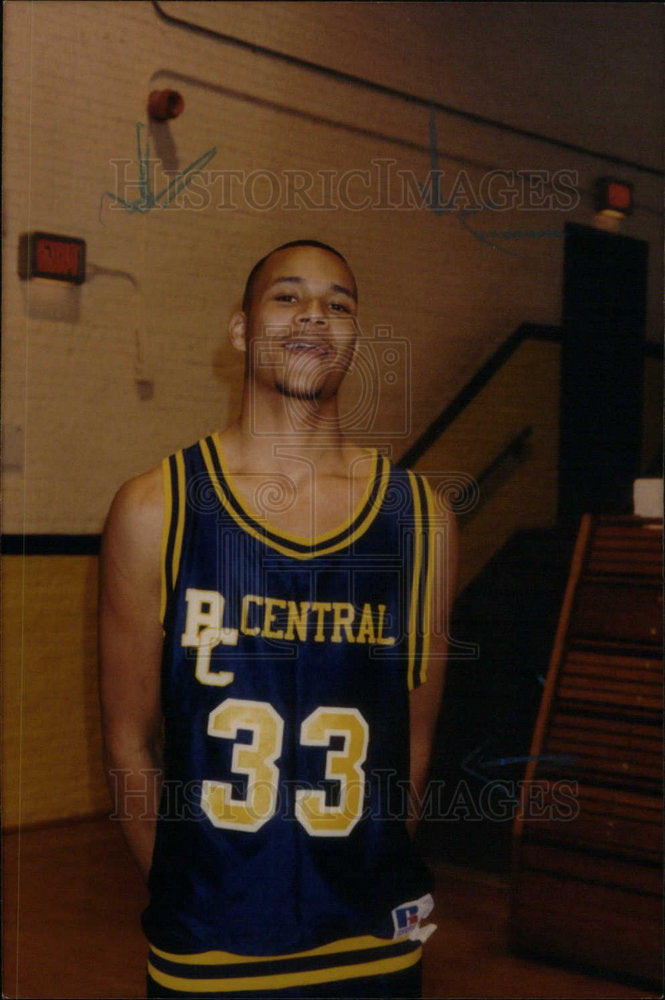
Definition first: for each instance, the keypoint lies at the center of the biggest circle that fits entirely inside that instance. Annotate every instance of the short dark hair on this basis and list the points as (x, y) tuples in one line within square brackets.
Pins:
[(254, 273)]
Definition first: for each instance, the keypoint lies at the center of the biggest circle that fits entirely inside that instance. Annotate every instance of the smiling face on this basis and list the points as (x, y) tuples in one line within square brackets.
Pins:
[(301, 330)]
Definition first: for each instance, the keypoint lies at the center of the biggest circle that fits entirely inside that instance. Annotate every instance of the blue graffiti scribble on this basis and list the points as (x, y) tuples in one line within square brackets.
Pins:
[(474, 765), (147, 199), (431, 192), (508, 234)]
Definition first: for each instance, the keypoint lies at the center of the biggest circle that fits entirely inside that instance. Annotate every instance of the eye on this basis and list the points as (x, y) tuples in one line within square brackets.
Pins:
[(285, 297), (339, 307)]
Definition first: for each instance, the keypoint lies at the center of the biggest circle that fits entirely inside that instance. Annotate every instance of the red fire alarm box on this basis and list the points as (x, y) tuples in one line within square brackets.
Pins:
[(613, 196), (46, 255)]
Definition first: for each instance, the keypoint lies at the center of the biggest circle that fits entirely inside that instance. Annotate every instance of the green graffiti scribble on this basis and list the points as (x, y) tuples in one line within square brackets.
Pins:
[(147, 199)]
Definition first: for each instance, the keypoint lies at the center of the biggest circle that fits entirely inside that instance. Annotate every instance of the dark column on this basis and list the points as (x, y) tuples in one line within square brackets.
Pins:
[(602, 358)]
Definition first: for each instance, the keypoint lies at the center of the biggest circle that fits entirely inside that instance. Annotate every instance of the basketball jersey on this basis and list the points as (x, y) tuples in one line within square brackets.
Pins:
[(281, 853)]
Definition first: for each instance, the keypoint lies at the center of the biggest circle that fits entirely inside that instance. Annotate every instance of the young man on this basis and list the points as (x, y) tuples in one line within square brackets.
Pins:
[(265, 611)]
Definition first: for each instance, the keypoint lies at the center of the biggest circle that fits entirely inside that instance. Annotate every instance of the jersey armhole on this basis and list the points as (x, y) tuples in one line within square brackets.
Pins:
[(173, 477), (421, 584)]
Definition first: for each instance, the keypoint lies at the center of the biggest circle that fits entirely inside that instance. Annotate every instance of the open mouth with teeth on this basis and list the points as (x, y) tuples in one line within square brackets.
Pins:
[(306, 347)]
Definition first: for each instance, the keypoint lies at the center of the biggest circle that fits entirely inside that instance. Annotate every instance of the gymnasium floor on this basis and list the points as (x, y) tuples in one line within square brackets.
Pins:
[(76, 933)]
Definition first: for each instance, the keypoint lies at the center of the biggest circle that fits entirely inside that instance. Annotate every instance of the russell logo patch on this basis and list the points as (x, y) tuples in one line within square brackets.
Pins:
[(407, 919)]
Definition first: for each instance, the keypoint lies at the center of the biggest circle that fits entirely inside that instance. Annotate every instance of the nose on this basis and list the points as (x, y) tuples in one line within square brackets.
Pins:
[(312, 313)]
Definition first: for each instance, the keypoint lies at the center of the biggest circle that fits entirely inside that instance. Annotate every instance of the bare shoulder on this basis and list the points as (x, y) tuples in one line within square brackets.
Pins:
[(134, 521), (140, 498)]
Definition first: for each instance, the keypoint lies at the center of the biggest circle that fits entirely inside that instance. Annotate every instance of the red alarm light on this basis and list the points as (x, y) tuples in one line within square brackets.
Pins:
[(614, 197), (46, 255)]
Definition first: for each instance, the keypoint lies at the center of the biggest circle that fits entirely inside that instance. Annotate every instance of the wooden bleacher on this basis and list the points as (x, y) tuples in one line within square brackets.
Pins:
[(587, 886)]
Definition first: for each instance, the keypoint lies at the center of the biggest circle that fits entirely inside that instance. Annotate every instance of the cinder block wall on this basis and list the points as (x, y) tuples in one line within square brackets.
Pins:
[(102, 380)]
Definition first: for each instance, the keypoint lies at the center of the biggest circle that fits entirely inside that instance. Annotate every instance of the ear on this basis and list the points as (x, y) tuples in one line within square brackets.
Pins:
[(238, 331)]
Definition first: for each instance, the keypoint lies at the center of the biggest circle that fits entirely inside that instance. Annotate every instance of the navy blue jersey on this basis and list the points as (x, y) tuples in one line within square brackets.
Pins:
[(281, 848)]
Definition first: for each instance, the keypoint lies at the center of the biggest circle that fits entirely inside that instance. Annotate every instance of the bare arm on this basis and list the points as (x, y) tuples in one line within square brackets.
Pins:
[(425, 700), (130, 646)]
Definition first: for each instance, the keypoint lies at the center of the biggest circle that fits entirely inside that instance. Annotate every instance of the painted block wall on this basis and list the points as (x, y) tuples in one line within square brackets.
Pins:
[(102, 380)]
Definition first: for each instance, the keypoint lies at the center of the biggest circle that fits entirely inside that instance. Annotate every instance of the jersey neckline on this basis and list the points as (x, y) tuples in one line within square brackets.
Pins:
[(285, 542)]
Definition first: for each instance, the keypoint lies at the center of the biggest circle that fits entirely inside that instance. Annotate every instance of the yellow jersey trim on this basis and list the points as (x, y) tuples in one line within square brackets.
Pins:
[(166, 531), (180, 525), (429, 581), (347, 531), (415, 582), (173, 526), (228, 958), (382, 966)]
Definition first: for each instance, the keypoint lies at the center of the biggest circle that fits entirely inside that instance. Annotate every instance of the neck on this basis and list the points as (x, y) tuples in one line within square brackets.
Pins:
[(301, 420), (272, 426)]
